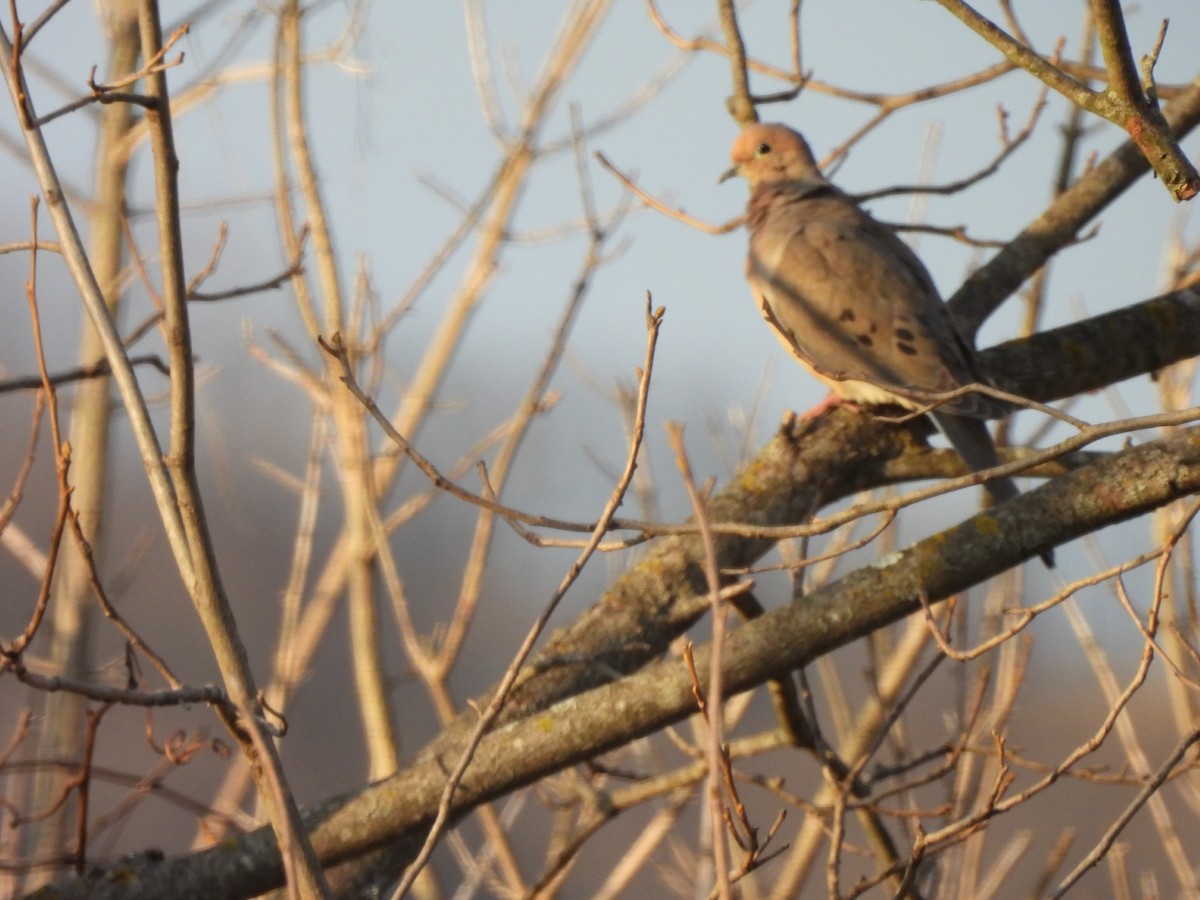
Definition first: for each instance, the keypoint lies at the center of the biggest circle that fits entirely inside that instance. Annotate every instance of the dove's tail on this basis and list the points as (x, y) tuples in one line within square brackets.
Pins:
[(971, 438)]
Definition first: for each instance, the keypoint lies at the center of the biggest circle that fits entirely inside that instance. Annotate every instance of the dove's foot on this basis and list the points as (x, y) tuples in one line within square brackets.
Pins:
[(834, 399)]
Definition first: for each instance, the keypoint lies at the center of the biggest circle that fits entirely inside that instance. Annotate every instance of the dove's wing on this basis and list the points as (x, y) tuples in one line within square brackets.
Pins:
[(854, 303)]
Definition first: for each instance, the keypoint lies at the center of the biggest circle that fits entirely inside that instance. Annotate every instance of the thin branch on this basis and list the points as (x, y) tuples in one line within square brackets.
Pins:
[(1114, 45), (1151, 787), (1019, 54), (1026, 614), (18, 489), (47, 14), (740, 106), (887, 103), (1007, 148), (20, 246), (108, 93), (10, 656), (208, 694), (711, 705), (659, 206), (99, 369), (203, 578), (488, 717), (1124, 104)]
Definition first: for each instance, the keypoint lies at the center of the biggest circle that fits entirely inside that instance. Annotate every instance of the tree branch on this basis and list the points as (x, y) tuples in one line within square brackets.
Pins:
[(1124, 103), (1118, 488)]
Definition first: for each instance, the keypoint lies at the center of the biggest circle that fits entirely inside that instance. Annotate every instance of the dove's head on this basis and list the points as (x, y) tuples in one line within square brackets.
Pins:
[(764, 154)]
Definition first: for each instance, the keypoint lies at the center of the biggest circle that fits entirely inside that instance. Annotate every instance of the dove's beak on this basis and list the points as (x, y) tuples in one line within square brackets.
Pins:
[(731, 172)]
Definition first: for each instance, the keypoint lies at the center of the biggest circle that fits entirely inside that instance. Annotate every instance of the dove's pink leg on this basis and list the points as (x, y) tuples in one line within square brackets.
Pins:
[(834, 399)]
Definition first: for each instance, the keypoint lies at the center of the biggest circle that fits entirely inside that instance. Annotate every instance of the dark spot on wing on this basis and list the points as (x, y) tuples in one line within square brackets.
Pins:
[(847, 315), (904, 334), (906, 349), (865, 340)]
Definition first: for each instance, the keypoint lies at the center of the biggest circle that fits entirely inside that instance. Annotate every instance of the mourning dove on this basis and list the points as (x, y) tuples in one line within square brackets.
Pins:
[(850, 300)]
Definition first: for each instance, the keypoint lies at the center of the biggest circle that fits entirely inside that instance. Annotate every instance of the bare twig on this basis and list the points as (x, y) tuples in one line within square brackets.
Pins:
[(10, 655), (740, 105), (1150, 789), (1008, 146), (204, 581), (711, 705), (108, 93), (656, 204), (653, 324), (99, 369), (180, 696), (1124, 103)]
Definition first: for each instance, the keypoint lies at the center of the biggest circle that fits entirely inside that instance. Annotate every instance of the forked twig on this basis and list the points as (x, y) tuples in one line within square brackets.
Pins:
[(653, 324), (667, 210)]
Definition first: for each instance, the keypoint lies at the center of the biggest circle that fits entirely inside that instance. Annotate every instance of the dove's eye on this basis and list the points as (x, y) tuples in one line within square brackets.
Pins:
[(762, 149)]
